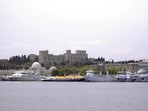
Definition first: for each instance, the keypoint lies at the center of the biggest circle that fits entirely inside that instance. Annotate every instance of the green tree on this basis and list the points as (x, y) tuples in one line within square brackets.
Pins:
[(67, 71), (104, 70), (18, 67), (83, 70), (55, 72), (74, 70), (113, 70)]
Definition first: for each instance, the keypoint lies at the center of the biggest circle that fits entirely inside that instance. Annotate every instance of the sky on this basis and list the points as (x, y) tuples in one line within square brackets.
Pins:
[(113, 29)]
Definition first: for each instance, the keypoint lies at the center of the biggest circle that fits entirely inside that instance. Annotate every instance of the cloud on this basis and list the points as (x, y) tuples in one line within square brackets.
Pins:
[(77, 45), (16, 46), (86, 45), (140, 55), (126, 53), (124, 50), (20, 46), (90, 43), (15, 49)]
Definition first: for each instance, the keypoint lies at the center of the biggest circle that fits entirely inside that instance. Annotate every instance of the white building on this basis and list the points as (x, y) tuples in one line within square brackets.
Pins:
[(131, 67), (143, 64)]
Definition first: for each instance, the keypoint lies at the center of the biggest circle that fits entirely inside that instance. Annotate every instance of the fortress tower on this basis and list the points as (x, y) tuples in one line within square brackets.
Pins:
[(43, 57)]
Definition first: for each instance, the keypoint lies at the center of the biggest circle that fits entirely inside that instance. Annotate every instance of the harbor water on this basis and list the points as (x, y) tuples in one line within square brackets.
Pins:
[(73, 96)]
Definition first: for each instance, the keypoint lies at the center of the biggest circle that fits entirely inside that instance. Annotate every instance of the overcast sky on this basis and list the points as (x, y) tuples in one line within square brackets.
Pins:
[(114, 29)]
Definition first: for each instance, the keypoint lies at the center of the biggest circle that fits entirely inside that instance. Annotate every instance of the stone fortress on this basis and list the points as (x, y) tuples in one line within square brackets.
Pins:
[(45, 58)]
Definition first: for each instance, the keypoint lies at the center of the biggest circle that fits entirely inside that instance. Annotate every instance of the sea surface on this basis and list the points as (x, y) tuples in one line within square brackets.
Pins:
[(73, 96)]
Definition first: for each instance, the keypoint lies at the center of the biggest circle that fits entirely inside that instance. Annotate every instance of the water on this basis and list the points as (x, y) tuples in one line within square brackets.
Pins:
[(73, 96)]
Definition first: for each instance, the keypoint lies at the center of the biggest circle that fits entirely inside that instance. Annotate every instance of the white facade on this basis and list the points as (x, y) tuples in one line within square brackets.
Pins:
[(131, 67), (143, 65)]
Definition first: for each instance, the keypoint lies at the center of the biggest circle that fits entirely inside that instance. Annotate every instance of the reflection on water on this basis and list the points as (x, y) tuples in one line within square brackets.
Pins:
[(73, 96)]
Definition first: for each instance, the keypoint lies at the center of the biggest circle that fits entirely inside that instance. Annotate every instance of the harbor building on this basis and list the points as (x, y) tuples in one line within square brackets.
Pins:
[(131, 67), (143, 64)]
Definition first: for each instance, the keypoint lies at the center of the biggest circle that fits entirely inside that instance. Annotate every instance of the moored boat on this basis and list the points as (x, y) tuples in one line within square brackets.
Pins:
[(125, 77), (143, 78), (4, 78), (23, 76), (92, 77), (63, 78), (142, 75)]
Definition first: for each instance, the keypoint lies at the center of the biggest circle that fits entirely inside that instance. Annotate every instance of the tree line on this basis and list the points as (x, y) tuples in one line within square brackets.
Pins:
[(71, 70), (15, 62), (19, 59), (23, 62)]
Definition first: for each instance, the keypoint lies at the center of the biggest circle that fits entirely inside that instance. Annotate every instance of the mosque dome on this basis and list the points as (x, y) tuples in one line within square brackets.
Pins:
[(52, 68), (36, 65)]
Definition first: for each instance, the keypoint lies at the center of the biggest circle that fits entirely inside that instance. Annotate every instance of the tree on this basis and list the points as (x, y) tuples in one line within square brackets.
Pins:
[(55, 72), (104, 70), (74, 70), (66, 71), (83, 69), (42, 64), (113, 70), (18, 60), (18, 67)]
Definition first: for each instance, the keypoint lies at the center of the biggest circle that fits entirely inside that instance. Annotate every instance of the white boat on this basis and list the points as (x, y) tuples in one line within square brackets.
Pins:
[(125, 77), (92, 77), (24, 76), (143, 78), (51, 78)]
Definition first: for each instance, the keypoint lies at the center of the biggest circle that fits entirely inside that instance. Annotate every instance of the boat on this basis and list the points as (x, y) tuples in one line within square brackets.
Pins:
[(63, 78), (124, 76), (4, 78), (48, 78), (23, 76), (142, 75), (143, 78), (92, 77)]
